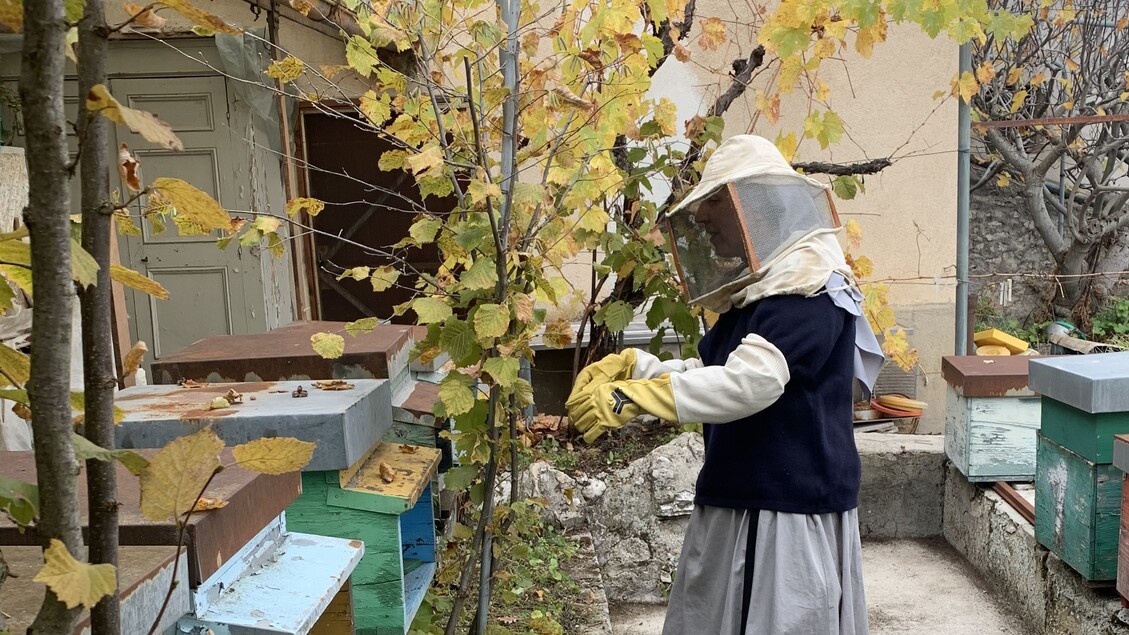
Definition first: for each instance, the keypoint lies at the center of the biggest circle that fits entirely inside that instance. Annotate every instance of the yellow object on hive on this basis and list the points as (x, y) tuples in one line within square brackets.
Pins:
[(992, 350), (996, 337)]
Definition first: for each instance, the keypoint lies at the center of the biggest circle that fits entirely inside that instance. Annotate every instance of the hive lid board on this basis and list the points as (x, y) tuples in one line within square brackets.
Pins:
[(345, 424), (976, 376), (214, 536), (1121, 452), (285, 353), (1091, 383)]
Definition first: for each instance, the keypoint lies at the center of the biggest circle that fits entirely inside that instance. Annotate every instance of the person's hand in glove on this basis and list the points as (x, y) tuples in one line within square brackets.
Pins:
[(611, 368), (612, 404)]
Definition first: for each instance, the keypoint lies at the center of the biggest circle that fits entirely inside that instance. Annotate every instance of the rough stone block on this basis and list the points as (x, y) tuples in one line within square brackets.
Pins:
[(902, 485)]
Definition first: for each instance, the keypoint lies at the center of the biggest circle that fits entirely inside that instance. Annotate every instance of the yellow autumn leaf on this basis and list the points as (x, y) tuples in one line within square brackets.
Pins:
[(75, 583), (311, 206), (12, 15), (558, 333), (192, 203), (376, 109), (985, 72), (1003, 180), (177, 474), (1013, 76), (274, 456), (138, 281), (788, 145), (14, 366), (328, 345), (713, 33), (965, 86), (1017, 101), (854, 233), (383, 278), (200, 17), (134, 358), (143, 123), (286, 69), (207, 504), (144, 17), (84, 268), (427, 160)]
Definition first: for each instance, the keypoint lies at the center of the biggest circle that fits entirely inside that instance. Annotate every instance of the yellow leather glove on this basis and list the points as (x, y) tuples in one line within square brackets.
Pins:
[(611, 368), (612, 404)]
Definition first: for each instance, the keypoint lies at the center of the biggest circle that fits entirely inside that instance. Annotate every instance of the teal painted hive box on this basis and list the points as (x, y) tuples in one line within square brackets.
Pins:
[(1078, 510), (385, 501), (991, 417)]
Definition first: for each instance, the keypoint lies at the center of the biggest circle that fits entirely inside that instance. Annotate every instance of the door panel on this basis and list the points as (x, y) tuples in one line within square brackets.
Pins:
[(211, 292)]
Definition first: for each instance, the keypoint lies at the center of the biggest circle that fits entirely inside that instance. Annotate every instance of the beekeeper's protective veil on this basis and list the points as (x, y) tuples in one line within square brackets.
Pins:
[(754, 227), (748, 209)]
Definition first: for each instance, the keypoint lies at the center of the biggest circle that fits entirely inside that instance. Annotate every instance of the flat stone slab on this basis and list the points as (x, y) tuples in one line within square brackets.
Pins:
[(345, 424), (1091, 383)]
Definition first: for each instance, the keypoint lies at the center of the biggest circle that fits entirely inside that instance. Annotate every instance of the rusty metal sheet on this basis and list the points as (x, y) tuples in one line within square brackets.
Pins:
[(213, 536), (975, 376), (285, 353)]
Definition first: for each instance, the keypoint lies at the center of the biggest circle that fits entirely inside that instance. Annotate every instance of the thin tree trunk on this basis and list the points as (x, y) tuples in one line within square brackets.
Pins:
[(47, 219), (99, 378)]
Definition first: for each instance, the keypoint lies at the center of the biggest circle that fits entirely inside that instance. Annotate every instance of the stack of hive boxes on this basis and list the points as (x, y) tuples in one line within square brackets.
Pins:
[(1085, 403)]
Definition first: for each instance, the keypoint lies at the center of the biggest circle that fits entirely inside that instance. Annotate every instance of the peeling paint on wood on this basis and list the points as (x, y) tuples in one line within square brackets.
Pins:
[(1078, 510), (992, 438)]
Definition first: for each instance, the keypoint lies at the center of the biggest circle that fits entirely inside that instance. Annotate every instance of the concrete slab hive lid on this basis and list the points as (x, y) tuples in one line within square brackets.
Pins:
[(345, 424), (1092, 383), (213, 536), (285, 353), (976, 376)]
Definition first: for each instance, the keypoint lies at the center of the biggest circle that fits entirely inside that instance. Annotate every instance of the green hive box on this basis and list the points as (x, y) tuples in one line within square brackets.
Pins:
[(1078, 510), (1087, 434)]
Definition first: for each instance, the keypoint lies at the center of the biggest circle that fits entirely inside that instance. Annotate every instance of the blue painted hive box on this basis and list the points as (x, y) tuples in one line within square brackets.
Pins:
[(991, 417)]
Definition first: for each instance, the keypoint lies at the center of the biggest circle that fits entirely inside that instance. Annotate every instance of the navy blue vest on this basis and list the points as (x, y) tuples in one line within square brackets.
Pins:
[(798, 455)]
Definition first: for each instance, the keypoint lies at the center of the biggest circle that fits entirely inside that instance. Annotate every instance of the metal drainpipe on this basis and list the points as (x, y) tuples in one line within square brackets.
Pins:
[(964, 138)]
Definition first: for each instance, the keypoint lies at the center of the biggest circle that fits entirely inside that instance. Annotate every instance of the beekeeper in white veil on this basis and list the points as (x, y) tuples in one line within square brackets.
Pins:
[(772, 547)]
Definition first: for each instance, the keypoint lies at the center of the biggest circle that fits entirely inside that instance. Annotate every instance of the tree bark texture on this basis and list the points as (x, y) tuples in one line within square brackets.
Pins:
[(48, 222), (98, 367)]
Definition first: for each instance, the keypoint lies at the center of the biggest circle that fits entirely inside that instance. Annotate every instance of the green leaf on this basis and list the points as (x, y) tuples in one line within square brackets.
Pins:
[(504, 370), (616, 316), (19, 500), (425, 229), (364, 325), (15, 252), (491, 320), (84, 450), (356, 273), (19, 275), (382, 278), (847, 186), (430, 310), (458, 339), (328, 345), (14, 366), (460, 477), (361, 55), (481, 275), (456, 394)]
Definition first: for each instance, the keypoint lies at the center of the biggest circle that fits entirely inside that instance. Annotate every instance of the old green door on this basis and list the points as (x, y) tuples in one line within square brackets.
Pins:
[(212, 292)]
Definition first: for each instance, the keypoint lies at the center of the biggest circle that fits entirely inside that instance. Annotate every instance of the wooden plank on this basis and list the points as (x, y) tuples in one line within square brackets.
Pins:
[(123, 341), (213, 537), (338, 616), (144, 576), (1078, 510), (1002, 439), (1089, 435), (956, 429), (417, 530), (1017, 502), (1123, 543), (412, 470)]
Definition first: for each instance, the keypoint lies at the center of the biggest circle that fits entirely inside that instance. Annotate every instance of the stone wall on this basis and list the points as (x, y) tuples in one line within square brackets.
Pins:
[(1002, 239)]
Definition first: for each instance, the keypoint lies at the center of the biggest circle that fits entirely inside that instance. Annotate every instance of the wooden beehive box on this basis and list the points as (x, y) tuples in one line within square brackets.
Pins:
[(1078, 510), (344, 494), (1121, 462), (285, 353), (991, 417), (1077, 488)]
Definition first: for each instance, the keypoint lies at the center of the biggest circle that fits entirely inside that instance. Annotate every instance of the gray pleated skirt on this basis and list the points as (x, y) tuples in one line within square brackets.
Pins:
[(806, 576)]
